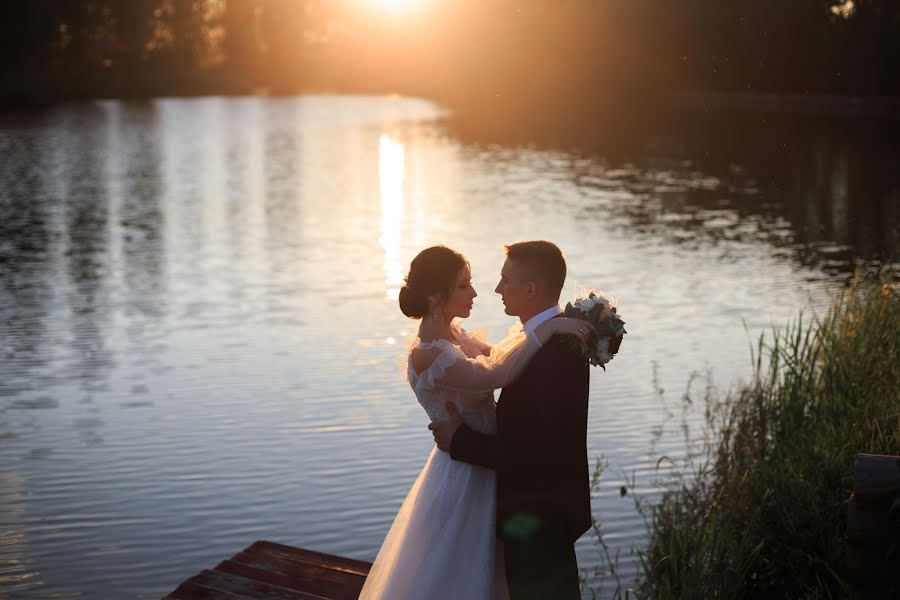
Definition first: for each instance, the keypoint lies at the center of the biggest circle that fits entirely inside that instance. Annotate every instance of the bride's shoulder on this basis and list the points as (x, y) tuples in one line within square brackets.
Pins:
[(424, 355), (422, 358)]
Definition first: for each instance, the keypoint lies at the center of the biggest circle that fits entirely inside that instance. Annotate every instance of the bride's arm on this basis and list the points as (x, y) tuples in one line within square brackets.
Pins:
[(476, 339), (452, 369), (506, 361), (562, 326)]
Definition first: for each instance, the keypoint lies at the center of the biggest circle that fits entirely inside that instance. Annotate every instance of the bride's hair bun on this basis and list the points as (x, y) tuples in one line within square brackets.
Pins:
[(412, 305), (433, 270)]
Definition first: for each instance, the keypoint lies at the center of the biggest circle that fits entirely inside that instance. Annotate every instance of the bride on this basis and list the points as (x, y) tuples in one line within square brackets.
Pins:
[(442, 543)]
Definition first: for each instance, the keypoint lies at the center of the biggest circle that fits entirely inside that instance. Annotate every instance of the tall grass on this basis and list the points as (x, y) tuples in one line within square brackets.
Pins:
[(761, 512)]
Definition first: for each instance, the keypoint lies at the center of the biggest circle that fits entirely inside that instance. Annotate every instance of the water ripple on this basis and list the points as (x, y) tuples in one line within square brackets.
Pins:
[(200, 342)]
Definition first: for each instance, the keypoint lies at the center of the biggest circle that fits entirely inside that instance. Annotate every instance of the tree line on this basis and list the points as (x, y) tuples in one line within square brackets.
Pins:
[(571, 53)]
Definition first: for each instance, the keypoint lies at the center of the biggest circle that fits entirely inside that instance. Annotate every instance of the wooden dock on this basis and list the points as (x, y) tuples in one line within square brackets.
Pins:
[(873, 528), (266, 570)]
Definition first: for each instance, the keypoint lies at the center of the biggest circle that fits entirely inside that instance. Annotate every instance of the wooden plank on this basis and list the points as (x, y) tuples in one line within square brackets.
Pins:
[(867, 527), (292, 568), (867, 566), (248, 587), (323, 583), (863, 593), (192, 590), (271, 561), (876, 479), (277, 572), (872, 566), (350, 565)]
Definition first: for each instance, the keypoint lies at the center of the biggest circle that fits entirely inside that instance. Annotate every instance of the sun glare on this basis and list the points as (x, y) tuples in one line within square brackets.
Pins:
[(391, 174), (393, 5)]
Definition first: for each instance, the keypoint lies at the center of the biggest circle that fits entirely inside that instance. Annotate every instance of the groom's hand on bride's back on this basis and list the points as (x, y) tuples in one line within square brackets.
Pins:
[(443, 431)]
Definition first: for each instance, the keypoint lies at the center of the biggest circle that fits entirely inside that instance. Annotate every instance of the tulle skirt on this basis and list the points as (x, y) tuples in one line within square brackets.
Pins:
[(442, 543)]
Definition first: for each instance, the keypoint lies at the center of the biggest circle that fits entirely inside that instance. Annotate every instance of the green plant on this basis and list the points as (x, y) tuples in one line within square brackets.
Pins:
[(759, 511)]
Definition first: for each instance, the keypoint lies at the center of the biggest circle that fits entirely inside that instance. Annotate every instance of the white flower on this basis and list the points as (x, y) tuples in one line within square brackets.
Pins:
[(608, 323), (585, 304)]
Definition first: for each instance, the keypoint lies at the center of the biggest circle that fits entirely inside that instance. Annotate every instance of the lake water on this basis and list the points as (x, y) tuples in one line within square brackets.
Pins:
[(200, 336)]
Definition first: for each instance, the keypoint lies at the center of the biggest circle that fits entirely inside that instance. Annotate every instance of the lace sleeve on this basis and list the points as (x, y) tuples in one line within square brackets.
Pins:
[(473, 342), (485, 373)]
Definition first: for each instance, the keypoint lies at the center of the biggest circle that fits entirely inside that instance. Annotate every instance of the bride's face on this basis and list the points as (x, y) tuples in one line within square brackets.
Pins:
[(461, 299)]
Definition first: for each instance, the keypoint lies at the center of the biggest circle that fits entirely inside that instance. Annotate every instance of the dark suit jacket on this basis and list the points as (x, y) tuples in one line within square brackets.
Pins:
[(540, 449)]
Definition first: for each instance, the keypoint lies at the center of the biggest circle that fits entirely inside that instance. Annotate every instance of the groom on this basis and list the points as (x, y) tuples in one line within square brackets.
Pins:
[(539, 451)]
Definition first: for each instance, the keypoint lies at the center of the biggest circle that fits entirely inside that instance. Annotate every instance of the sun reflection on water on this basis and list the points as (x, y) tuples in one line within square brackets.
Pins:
[(391, 173)]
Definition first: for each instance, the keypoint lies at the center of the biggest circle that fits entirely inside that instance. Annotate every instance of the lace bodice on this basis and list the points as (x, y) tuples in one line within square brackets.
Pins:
[(463, 375)]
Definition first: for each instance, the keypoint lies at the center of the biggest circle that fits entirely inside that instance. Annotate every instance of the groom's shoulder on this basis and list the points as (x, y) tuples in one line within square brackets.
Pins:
[(562, 348)]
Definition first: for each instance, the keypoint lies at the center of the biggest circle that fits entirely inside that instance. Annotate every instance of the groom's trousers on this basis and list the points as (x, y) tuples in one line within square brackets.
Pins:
[(541, 569)]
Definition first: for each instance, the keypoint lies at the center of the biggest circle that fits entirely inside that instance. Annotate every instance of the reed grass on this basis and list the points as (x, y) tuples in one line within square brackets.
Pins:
[(760, 512)]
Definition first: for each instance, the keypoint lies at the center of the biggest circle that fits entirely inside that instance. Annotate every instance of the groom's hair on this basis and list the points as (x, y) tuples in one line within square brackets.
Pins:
[(543, 261)]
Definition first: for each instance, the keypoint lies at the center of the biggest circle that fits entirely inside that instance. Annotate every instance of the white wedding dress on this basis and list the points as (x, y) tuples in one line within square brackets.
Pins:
[(442, 543)]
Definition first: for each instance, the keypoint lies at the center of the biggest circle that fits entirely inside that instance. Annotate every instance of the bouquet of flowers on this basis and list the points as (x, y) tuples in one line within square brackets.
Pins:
[(600, 311)]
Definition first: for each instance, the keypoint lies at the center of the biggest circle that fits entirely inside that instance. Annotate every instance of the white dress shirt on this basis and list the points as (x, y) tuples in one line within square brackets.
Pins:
[(535, 321)]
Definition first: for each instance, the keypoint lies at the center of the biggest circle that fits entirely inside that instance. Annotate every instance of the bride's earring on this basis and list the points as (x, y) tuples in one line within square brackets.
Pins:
[(434, 314)]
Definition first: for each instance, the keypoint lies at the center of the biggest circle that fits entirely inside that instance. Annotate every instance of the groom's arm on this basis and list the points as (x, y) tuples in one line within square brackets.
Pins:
[(474, 447), (550, 419), (464, 443)]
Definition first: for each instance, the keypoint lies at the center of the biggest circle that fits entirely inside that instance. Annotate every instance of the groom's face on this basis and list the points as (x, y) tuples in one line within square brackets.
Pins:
[(514, 288)]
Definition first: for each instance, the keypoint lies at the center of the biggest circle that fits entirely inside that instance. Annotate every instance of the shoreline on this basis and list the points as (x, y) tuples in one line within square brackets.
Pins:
[(816, 105), (28, 92)]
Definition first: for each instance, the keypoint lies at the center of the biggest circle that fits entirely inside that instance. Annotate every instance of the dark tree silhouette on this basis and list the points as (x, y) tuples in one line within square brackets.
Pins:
[(572, 55)]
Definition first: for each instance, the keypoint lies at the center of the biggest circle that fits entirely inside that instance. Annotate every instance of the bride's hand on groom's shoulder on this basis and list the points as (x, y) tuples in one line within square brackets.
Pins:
[(582, 330), (443, 431)]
